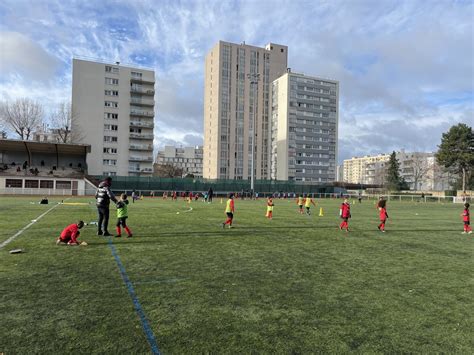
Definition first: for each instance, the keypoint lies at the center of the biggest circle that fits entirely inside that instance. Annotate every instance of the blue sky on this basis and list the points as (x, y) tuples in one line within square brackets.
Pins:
[(405, 67)]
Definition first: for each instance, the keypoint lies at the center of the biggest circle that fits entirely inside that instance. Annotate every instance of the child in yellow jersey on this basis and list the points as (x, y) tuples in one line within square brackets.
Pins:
[(229, 210), (270, 205), (300, 202), (307, 203)]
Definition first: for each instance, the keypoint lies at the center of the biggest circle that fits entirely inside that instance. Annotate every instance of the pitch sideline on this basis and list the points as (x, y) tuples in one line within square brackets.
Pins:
[(13, 237)]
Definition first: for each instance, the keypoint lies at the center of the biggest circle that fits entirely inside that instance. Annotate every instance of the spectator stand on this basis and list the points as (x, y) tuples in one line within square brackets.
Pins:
[(40, 168)]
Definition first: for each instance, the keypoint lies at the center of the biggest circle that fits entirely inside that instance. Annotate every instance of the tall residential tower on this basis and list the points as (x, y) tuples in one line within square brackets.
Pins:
[(114, 109), (305, 114), (238, 81)]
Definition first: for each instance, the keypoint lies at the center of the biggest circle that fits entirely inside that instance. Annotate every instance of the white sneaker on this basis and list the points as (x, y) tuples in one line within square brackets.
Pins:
[(464, 232), (470, 232)]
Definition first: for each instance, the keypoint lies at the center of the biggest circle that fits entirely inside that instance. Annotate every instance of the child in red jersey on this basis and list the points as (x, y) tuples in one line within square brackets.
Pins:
[(70, 234), (270, 205), (229, 210), (382, 204), (345, 213), (466, 219)]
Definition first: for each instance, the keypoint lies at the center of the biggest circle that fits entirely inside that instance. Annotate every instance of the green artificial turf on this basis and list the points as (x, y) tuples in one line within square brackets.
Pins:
[(295, 284)]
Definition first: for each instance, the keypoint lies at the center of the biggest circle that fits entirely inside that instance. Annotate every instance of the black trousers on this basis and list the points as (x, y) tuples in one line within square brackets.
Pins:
[(103, 218)]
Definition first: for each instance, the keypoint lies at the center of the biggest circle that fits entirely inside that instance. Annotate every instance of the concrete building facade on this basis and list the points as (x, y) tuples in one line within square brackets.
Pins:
[(237, 90), (365, 170), (304, 128), (114, 105), (419, 169), (188, 158)]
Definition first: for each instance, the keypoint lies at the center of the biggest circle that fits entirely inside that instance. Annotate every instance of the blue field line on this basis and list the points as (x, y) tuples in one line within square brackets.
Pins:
[(138, 308)]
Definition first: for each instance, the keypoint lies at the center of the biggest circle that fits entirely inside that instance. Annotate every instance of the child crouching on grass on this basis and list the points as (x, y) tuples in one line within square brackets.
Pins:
[(70, 234), (122, 215)]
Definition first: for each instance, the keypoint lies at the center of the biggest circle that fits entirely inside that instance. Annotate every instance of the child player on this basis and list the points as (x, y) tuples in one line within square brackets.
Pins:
[(466, 219), (70, 234), (270, 205), (345, 213), (122, 215), (229, 210), (382, 204), (307, 203), (300, 202)]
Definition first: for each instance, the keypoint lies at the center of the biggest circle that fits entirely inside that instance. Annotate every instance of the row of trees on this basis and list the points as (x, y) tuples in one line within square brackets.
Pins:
[(25, 116), (455, 154)]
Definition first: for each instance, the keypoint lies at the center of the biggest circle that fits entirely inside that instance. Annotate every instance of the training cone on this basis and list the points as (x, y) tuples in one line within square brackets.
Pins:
[(321, 213)]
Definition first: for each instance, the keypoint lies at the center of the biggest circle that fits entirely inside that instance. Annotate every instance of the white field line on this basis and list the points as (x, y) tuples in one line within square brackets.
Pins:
[(12, 238)]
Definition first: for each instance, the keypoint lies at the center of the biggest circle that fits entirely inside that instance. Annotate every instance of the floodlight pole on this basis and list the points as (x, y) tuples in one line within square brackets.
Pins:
[(254, 78)]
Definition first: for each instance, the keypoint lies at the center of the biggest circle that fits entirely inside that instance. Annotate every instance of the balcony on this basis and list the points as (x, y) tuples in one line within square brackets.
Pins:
[(141, 136), (141, 80), (142, 124), (142, 113), (141, 102), (142, 91), (147, 147), (143, 159)]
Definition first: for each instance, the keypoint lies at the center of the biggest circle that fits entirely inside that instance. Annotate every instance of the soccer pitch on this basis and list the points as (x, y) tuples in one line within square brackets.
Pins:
[(295, 284)]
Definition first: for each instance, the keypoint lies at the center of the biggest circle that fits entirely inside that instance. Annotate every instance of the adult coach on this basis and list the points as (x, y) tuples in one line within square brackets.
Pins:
[(210, 194), (103, 196)]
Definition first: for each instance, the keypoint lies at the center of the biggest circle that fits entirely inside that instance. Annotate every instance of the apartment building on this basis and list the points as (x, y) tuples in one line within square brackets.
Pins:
[(237, 108), (419, 170), (365, 170), (114, 105), (304, 128), (189, 159)]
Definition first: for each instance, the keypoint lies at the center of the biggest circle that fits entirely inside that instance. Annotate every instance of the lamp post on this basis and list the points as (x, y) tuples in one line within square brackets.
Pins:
[(254, 78)]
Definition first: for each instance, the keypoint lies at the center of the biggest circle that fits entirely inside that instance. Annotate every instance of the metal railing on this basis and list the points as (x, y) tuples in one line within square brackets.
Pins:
[(142, 91), (141, 146), (142, 102), (142, 124), (142, 113), (141, 136)]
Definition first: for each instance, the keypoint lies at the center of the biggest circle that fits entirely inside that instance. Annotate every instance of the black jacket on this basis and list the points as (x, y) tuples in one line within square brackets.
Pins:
[(103, 195)]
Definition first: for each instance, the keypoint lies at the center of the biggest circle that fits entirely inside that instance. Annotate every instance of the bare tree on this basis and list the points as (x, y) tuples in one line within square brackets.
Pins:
[(64, 123), (167, 170), (22, 116), (421, 168)]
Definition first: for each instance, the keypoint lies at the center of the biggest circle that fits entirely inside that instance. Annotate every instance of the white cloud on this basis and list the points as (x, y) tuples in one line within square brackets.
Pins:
[(22, 57), (399, 63)]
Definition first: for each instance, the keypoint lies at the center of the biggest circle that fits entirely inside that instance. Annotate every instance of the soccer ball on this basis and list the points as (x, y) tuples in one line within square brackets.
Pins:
[(177, 212)]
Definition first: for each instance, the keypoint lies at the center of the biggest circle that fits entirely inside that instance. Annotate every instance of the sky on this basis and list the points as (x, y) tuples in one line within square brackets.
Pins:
[(405, 68)]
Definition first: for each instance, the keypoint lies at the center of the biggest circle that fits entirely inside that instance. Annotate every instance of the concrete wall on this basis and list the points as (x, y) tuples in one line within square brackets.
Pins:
[(56, 190)]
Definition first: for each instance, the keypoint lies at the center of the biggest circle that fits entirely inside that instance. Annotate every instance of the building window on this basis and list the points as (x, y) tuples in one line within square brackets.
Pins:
[(109, 173), (110, 139), (66, 185), (109, 69), (111, 92), (10, 183), (112, 116), (109, 162), (110, 150), (32, 184), (111, 127), (111, 81), (111, 104), (136, 75), (46, 184)]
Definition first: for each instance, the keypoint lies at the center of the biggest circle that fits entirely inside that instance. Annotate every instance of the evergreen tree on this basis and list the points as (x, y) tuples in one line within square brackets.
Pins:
[(456, 152), (394, 181)]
